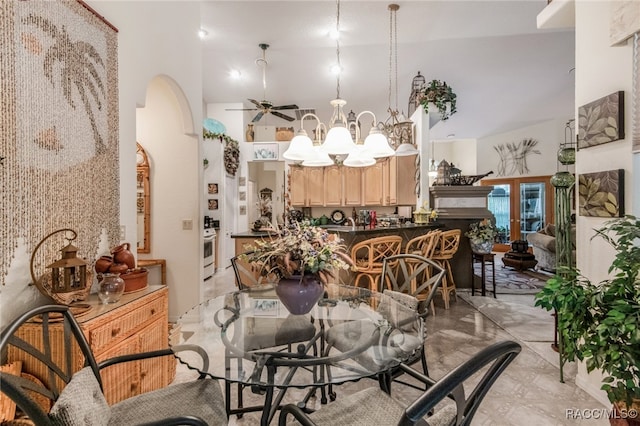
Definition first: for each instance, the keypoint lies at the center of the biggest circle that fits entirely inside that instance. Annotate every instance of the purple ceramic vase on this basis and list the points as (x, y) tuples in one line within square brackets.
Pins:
[(299, 294)]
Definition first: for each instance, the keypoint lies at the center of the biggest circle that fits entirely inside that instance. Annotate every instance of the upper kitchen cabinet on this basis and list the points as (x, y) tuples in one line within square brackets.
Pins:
[(306, 186), (333, 189), (352, 186)]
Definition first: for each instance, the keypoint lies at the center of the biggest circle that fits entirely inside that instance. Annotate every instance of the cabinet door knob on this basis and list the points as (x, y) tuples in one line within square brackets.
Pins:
[(153, 311), (115, 332)]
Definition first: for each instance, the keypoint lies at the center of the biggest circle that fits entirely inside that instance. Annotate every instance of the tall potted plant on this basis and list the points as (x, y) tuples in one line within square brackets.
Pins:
[(600, 323), (440, 94)]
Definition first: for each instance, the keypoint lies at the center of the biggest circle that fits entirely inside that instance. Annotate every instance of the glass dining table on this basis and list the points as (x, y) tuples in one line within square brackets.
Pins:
[(250, 339)]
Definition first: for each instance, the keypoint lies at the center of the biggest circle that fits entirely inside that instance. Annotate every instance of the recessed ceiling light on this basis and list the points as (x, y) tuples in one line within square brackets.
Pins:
[(202, 33), (336, 69), (235, 74)]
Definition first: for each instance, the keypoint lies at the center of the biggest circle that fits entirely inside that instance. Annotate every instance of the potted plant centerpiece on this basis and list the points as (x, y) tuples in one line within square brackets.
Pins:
[(600, 323), (303, 258), (440, 94), (481, 236)]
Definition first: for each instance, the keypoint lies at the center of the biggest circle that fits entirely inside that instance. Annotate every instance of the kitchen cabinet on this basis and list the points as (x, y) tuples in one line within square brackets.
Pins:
[(372, 181), (138, 322), (306, 186), (352, 186), (405, 180), (333, 190), (389, 182), (314, 185), (297, 183)]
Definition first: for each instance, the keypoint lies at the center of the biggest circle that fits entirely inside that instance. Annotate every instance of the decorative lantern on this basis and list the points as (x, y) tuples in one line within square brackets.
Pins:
[(68, 278), (567, 150), (444, 174), (68, 273)]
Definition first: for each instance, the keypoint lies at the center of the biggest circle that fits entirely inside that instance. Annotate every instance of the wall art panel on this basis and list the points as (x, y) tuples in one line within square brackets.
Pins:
[(601, 121), (59, 127), (601, 194)]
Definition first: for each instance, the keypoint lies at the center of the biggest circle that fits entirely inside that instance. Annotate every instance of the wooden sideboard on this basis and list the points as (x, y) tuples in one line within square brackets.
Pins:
[(137, 323)]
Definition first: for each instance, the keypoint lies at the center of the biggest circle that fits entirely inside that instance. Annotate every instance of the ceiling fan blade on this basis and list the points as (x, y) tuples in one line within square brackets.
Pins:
[(256, 103), (257, 117), (241, 109), (292, 106), (286, 117)]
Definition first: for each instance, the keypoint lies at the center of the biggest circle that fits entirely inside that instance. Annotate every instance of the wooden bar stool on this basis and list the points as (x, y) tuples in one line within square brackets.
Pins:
[(447, 247), (369, 256)]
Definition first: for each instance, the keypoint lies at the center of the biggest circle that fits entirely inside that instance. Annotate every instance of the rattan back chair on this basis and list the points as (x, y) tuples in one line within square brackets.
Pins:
[(373, 406), (448, 245), (70, 392), (423, 245), (369, 255)]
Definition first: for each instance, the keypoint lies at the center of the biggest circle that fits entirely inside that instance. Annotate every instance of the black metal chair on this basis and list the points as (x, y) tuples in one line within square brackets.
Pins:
[(375, 406), (76, 397), (246, 276), (415, 276)]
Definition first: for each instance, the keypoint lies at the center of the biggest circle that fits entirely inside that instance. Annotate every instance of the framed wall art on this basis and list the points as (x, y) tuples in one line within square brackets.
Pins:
[(601, 121), (601, 194), (213, 204), (212, 188), (265, 151), (242, 196), (243, 210), (242, 181)]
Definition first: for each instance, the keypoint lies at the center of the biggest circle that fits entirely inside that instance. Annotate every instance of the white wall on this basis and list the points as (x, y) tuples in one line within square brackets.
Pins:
[(160, 38), (549, 134), (600, 71)]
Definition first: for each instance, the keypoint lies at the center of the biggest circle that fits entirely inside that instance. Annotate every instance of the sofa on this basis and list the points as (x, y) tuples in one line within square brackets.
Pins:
[(543, 243)]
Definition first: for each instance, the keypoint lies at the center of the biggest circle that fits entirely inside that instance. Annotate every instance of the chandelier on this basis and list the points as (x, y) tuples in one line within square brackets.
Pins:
[(339, 146), (397, 127)]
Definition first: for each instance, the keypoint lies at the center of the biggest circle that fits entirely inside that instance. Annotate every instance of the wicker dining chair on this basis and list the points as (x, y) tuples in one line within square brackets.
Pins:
[(374, 406), (369, 255), (71, 393), (448, 245)]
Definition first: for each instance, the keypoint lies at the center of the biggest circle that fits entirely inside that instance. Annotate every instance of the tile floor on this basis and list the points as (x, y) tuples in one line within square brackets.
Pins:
[(527, 393)]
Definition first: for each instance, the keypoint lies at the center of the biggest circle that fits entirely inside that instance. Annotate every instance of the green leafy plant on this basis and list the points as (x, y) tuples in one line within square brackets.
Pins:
[(600, 323), (300, 249), (480, 232), (440, 94)]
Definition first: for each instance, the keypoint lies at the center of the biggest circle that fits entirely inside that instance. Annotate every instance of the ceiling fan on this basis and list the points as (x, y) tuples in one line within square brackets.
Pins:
[(264, 106)]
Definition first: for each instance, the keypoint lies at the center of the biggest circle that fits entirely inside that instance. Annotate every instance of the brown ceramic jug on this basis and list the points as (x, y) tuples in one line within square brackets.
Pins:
[(119, 268), (103, 264), (121, 254)]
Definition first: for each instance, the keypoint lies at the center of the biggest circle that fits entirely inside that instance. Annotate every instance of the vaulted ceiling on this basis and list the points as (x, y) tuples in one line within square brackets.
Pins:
[(506, 73)]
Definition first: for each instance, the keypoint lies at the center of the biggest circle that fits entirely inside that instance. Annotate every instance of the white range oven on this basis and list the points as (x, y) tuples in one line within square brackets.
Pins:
[(209, 240)]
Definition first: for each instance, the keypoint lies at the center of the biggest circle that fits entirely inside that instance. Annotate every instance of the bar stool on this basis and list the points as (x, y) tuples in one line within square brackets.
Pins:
[(447, 247), (369, 256)]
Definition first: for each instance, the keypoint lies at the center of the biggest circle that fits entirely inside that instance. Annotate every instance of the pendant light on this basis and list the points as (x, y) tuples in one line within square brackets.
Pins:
[(398, 127)]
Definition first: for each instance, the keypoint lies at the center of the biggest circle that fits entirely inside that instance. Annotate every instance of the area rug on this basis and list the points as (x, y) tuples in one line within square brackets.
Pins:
[(512, 281)]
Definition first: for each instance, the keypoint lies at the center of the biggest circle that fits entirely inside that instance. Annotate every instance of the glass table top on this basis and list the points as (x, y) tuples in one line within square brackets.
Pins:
[(249, 337)]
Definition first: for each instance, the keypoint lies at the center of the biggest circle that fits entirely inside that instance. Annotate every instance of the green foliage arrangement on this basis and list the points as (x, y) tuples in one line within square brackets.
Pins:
[(480, 232), (300, 249), (231, 150), (600, 323), (440, 94)]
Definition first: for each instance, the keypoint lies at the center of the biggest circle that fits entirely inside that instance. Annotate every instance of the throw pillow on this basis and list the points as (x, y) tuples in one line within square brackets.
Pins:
[(81, 402)]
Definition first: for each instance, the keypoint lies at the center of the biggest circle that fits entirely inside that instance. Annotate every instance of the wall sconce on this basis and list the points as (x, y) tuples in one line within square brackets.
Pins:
[(68, 278)]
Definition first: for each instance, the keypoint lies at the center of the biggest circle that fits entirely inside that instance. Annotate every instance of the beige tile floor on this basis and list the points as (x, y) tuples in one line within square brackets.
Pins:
[(527, 393)]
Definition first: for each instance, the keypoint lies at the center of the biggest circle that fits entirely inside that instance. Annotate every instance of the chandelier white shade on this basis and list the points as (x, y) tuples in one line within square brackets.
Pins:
[(376, 143), (359, 157), (318, 158), (300, 147), (406, 149)]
